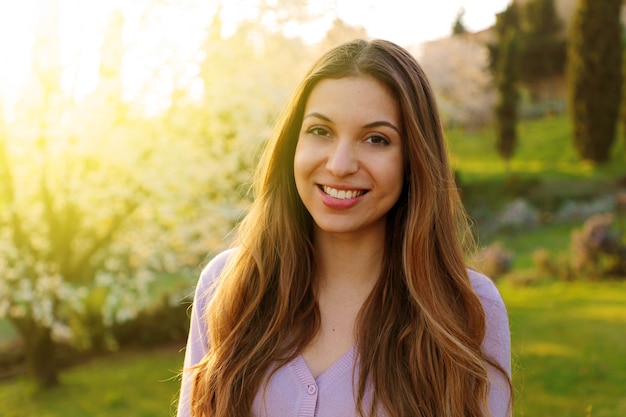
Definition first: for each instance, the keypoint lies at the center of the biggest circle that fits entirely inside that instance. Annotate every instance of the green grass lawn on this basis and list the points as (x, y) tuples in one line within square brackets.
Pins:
[(127, 384), (568, 349)]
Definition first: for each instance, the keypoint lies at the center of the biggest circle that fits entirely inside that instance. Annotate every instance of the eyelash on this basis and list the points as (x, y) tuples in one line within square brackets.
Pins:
[(383, 141), (318, 130), (321, 131)]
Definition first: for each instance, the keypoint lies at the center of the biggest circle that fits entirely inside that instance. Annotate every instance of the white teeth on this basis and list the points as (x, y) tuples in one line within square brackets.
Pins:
[(342, 194)]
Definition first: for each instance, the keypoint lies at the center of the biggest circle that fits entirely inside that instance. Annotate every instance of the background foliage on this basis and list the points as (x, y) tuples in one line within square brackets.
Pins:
[(111, 202), (595, 76)]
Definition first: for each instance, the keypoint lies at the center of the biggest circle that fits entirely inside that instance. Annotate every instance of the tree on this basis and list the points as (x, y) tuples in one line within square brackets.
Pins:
[(508, 19), (457, 69), (57, 213), (506, 106), (623, 102), (458, 28), (92, 207), (542, 44), (594, 77), (506, 78), (339, 33)]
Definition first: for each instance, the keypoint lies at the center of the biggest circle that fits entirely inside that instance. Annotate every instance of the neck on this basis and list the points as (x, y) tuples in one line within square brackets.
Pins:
[(348, 264)]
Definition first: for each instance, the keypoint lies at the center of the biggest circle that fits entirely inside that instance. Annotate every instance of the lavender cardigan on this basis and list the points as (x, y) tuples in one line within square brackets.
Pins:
[(292, 390)]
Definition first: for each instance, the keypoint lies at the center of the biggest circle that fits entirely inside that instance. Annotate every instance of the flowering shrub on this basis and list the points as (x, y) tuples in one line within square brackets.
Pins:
[(457, 68), (38, 293), (81, 247), (517, 214), (549, 265), (104, 194), (598, 249)]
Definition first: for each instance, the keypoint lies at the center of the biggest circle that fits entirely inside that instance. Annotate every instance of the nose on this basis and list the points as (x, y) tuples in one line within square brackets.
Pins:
[(342, 159)]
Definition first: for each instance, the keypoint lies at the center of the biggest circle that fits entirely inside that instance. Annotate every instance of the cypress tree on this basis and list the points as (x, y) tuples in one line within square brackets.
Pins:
[(505, 63), (543, 47), (623, 97), (458, 28), (506, 107), (594, 77)]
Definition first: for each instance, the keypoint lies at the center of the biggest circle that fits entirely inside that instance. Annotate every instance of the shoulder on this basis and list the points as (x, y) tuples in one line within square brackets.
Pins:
[(486, 290), (497, 342), (496, 317), (215, 266)]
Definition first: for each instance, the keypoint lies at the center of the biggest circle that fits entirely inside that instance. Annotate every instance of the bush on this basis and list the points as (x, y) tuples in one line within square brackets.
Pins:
[(597, 249), (166, 321), (548, 265)]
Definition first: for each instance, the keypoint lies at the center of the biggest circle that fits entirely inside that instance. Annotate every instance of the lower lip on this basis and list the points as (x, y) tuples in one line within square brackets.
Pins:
[(339, 204)]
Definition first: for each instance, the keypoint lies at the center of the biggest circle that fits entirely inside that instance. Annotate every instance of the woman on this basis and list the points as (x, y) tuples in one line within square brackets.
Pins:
[(346, 293)]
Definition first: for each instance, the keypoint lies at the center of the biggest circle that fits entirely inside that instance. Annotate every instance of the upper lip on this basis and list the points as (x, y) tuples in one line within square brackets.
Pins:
[(343, 187)]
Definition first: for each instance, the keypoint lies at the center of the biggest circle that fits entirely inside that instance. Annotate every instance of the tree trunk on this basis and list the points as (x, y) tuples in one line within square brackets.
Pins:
[(40, 353)]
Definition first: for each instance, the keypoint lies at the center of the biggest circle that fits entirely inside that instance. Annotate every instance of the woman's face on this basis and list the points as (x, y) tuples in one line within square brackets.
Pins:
[(348, 163)]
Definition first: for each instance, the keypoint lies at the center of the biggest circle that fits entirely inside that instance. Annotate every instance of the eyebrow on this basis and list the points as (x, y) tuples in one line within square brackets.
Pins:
[(369, 125)]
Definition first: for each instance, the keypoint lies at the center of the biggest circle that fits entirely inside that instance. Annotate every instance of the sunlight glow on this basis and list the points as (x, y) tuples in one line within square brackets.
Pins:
[(161, 46), (551, 349), (17, 23)]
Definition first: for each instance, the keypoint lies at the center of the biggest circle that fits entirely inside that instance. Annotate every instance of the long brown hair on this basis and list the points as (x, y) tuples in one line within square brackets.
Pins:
[(423, 355)]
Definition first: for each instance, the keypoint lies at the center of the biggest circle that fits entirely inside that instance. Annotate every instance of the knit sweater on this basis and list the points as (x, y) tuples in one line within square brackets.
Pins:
[(293, 391)]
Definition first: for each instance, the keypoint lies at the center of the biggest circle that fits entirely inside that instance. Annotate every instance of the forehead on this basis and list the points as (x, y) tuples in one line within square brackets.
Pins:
[(362, 95)]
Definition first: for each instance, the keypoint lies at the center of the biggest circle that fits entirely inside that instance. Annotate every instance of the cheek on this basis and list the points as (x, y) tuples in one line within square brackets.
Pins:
[(297, 161), (300, 167), (305, 158)]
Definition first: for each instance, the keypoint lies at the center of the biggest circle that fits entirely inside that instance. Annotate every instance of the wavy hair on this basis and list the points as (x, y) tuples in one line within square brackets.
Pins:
[(423, 356)]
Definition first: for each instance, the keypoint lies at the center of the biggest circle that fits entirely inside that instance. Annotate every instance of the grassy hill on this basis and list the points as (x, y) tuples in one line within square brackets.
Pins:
[(544, 169)]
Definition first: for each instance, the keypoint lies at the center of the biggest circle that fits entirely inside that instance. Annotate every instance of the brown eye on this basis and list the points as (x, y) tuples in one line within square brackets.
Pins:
[(377, 140), (318, 131)]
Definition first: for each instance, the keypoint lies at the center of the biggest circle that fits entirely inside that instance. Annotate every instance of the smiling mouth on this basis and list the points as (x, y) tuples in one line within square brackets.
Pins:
[(341, 194)]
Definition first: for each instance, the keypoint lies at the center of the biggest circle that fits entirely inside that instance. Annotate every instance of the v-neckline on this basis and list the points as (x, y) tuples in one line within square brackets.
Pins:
[(344, 363)]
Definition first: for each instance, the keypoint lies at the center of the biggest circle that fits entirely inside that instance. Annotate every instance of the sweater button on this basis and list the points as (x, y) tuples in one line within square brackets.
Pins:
[(311, 389)]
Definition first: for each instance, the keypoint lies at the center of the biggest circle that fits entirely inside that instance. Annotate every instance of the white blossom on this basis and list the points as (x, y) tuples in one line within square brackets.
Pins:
[(61, 333), (17, 311), (458, 71)]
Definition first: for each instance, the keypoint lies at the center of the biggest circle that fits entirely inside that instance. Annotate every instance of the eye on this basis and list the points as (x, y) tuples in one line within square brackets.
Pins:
[(377, 140), (318, 131)]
